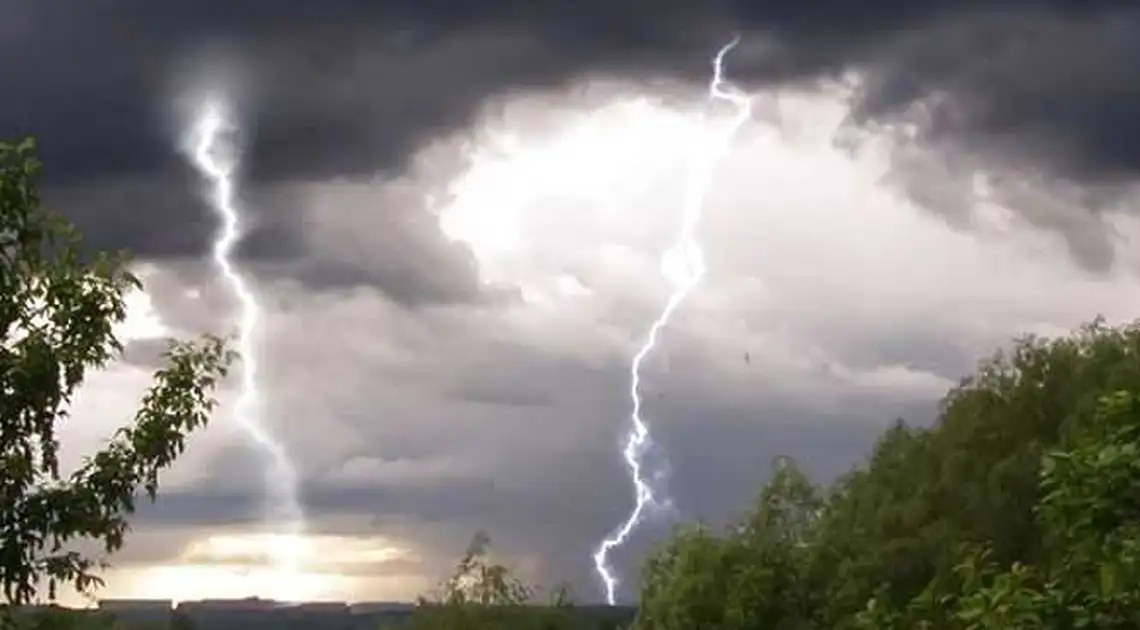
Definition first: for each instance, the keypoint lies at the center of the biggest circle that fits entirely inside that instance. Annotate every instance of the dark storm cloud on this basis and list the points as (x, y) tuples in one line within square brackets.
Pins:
[(1009, 81), (347, 86), (163, 215), (351, 87)]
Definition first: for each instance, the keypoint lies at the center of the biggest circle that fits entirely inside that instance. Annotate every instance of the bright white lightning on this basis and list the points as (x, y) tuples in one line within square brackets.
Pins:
[(215, 159), (683, 267)]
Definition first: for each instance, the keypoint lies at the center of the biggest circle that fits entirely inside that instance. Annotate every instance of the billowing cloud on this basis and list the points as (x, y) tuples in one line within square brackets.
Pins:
[(355, 89), (455, 216)]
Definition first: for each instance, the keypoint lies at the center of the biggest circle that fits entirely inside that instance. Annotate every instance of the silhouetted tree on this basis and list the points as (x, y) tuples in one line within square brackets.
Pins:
[(485, 595), (58, 310)]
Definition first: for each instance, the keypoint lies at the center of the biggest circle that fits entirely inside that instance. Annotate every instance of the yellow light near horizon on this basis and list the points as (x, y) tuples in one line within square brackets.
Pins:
[(236, 565), (243, 546), (311, 552), (184, 582), (192, 582)]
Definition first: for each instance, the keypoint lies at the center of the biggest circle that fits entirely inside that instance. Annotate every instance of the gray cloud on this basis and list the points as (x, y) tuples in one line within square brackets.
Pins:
[(425, 426), (997, 81), (349, 88), (421, 403), (497, 431)]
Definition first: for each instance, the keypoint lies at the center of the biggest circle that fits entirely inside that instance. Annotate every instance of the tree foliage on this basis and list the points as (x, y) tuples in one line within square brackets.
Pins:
[(59, 307), (485, 595), (749, 577), (1019, 508)]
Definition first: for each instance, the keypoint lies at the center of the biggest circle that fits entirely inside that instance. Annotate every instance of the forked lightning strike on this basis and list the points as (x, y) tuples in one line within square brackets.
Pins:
[(215, 159), (683, 267)]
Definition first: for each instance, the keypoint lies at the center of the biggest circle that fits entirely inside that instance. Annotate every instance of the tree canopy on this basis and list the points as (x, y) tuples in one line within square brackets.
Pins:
[(1018, 508)]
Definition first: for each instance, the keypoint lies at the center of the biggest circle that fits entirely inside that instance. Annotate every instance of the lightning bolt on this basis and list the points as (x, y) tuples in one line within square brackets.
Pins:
[(216, 160), (683, 267)]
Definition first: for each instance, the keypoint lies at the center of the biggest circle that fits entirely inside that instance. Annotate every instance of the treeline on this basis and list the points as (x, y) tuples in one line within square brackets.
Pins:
[(1018, 508)]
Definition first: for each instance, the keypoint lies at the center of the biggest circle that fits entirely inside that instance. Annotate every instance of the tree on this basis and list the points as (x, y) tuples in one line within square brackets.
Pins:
[(1090, 515), (1017, 509), (58, 309), (485, 595), (897, 528), (755, 575)]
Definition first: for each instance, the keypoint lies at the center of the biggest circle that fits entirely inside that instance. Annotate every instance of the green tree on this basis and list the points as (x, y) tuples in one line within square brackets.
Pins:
[(1018, 508), (58, 309), (485, 595), (755, 575), (896, 528), (1089, 576)]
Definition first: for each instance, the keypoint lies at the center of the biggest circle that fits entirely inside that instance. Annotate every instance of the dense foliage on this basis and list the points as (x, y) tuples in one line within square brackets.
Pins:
[(59, 306), (1019, 508)]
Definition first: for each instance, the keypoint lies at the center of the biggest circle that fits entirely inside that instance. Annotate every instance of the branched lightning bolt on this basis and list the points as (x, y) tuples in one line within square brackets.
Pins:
[(216, 160), (683, 266)]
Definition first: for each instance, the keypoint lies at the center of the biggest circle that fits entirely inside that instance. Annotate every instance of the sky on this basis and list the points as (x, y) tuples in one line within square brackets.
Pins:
[(455, 212)]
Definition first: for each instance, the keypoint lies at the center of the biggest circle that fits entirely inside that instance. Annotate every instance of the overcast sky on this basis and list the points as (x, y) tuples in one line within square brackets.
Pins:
[(456, 211)]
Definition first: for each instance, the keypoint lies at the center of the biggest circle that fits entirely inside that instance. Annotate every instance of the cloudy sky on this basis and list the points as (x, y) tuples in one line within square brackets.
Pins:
[(455, 216)]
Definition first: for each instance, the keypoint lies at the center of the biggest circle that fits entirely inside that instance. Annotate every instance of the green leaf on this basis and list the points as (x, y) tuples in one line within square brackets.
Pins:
[(58, 307)]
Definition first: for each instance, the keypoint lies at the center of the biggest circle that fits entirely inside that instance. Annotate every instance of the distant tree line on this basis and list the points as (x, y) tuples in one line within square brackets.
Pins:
[(1018, 508)]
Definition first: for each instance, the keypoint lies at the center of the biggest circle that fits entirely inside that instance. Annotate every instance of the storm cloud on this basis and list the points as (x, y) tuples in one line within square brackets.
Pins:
[(353, 89), (920, 182)]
